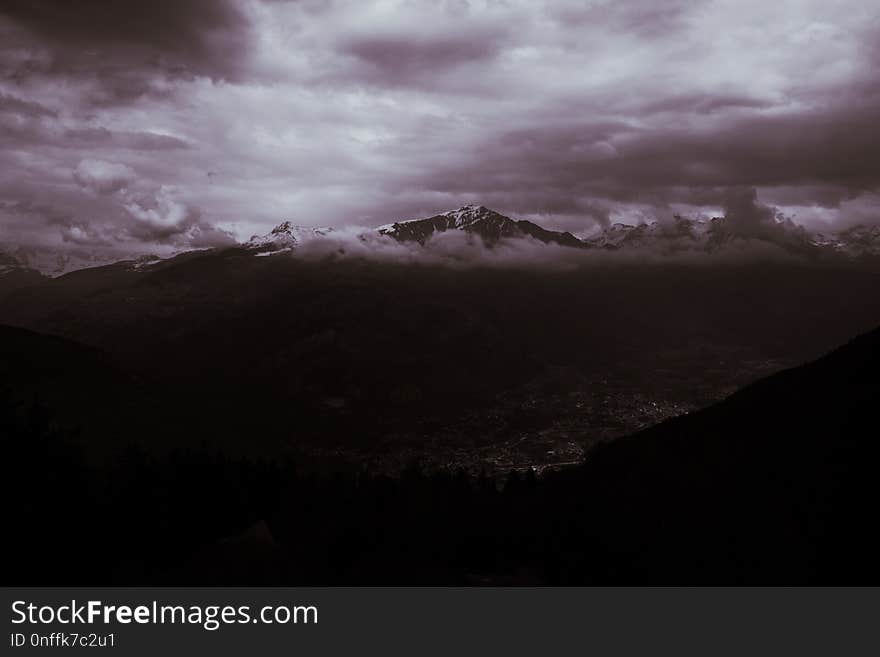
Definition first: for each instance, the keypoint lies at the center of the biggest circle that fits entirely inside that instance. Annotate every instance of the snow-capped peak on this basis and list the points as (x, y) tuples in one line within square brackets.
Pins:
[(468, 214), (284, 237), (476, 220), (463, 216)]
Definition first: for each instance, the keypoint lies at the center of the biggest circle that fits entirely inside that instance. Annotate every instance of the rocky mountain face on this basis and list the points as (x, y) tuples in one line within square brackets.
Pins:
[(489, 225), (856, 242)]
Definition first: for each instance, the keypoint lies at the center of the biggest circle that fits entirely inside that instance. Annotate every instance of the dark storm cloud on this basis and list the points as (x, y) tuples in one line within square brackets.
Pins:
[(204, 37), (703, 104), (413, 58), (746, 217), (837, 145), (40, 217), (34, 129), (44, 212), (646, 19), (826, 155), (102, 137), (189, 231), (13, 105)]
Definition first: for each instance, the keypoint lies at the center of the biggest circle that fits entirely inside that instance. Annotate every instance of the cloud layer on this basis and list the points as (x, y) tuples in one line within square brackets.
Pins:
[(460, 250), (179, 123)]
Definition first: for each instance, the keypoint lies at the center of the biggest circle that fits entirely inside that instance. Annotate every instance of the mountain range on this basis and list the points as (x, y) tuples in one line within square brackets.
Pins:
[(860, 243), (663, 238)]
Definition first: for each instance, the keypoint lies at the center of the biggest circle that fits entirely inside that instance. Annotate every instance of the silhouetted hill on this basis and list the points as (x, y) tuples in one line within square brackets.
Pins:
[(776, 484), (14, 274), (84, 390), (54, 370)]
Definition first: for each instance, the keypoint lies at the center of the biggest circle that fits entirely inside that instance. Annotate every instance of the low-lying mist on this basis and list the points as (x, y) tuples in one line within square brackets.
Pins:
[(461, 250)]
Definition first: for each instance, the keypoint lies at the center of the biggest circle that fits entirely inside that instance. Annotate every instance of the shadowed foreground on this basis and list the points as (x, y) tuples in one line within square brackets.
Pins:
[(773, 485)]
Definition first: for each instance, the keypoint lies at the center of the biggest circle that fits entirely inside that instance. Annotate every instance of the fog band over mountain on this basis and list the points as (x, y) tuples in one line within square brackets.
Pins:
[(461, 250)]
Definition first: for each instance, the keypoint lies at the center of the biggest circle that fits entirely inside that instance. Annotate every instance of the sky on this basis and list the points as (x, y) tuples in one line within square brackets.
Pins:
[(173, 124)]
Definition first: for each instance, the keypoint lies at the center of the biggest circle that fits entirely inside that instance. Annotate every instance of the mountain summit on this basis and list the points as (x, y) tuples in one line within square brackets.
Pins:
[(284, 237), (479, 220)]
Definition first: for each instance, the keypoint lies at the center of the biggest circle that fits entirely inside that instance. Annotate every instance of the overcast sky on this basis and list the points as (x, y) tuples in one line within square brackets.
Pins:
[(191, 122)]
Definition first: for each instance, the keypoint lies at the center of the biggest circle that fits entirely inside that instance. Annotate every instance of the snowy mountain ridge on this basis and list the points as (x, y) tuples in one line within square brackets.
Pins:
[(708, 235)]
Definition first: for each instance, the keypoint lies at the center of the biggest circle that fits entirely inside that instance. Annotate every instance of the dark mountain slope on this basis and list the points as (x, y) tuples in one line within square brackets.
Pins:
[(776, 484), (34, 365), (15, 275), (84, 390)]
